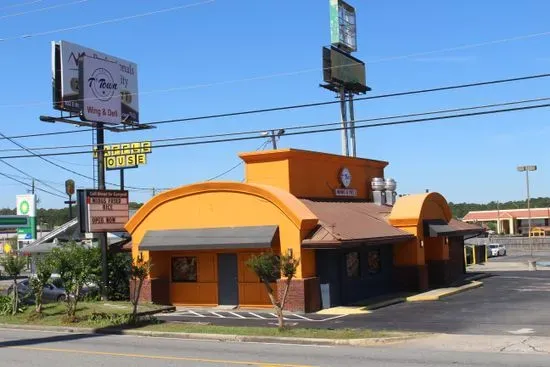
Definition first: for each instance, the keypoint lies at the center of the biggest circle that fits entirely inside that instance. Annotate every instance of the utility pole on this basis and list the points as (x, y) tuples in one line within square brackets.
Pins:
[(154, 192), (100, 139), (273, 139), (352, 126), (32, 187), (345, 147)]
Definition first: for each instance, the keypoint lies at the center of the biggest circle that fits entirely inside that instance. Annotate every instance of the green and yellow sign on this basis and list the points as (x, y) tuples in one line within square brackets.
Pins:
[(127, 155)]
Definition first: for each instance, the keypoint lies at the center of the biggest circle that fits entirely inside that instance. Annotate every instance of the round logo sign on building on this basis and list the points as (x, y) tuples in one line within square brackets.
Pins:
[(345, 177)]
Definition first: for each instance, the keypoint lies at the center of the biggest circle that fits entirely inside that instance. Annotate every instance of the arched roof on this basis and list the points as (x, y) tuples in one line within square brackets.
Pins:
[(411, 209), (291, 206)]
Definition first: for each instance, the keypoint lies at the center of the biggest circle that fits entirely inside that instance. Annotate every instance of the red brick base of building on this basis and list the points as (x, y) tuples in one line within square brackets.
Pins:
[(304, 295), (154, 290)]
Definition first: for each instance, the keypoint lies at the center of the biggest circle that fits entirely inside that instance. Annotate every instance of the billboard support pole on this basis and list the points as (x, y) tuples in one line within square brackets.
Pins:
[(122, 179), (345, 148), (100, 140), (352, 126)]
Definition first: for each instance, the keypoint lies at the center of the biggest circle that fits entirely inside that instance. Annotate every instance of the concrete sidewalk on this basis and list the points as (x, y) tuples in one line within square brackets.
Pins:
[(504, 266), (481, 343)]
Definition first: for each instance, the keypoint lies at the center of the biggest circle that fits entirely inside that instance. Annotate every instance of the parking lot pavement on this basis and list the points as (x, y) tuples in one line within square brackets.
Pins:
[(509, 303), (265, 316)]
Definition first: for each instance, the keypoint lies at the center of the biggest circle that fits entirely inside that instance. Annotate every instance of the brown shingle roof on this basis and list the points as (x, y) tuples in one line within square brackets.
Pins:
[(352, 221)]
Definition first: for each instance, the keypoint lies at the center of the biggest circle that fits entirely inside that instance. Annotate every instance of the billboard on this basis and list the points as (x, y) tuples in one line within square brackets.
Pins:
[(127, 155), (65, 73), (343, 29), (26, 205), (342, 69), (99, 92), (102, 210)]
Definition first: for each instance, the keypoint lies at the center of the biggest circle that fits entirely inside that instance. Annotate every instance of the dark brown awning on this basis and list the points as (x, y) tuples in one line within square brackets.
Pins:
[(209, 238), (440, 228)]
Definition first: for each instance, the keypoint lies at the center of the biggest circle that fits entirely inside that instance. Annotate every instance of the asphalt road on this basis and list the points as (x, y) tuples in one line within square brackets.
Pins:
[(45, 349), (508, 303)]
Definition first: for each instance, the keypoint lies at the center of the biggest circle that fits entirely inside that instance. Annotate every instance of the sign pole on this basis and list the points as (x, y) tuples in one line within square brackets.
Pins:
[(352, 126), (100, 140), (345, 148), (122, 179)]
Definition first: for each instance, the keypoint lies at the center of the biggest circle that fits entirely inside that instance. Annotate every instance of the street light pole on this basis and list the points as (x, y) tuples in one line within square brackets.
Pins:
[(526, 169)]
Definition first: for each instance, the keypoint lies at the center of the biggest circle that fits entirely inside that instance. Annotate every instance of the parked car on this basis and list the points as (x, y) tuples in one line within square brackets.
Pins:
[(496, 249), (50, 292)]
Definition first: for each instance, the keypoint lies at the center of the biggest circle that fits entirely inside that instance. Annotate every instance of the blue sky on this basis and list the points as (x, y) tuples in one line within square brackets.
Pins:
[(197, 50)]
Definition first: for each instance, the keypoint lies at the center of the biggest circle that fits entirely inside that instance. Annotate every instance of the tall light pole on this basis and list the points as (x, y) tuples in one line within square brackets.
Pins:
[(527, 169)]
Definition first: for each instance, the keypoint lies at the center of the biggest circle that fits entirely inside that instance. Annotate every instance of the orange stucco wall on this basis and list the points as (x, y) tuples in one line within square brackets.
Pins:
[(408, 214), (311, 174), (215, 205), (205, 290)]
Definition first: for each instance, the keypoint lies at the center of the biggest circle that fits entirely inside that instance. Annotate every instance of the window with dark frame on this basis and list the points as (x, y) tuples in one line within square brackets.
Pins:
[(374, 264), (184, 269), (353, 268)]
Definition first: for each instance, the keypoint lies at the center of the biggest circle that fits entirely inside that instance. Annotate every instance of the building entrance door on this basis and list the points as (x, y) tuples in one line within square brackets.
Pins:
[(228, 284)]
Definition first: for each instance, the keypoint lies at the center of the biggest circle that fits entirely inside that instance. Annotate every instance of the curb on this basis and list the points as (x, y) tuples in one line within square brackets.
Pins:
[(436, 296), (223, 337)]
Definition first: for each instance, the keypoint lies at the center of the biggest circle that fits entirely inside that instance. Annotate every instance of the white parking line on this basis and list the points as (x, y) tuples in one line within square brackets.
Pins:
[(236, 314), (195, 313), (217, 314), (284, 318), (302, 317), (258, 316)]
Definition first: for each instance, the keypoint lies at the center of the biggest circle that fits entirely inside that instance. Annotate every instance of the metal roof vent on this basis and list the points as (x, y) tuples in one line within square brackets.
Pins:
[(377, 184), (391, 194), (378, 194), (390, 184)]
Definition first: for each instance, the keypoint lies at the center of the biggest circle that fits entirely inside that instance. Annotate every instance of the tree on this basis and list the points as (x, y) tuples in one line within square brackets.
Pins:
[(140, 271), (270, 267), (13, 266), (44, 269), (76, 265)]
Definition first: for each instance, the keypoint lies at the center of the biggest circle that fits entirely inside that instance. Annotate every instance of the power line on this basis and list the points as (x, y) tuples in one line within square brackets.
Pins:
[(306, 105), (20, 5), (31, 177), (237, 165), (28, 185), (411, 121), (42, 9), (56, 164), (103, 22), (298, 127)]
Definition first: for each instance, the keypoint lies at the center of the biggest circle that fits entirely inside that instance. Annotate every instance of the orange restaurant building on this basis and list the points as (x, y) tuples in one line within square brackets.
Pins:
[(335, 213)]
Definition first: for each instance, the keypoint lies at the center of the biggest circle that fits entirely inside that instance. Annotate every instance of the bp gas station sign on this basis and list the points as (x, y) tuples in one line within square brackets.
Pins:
[(26, 206)]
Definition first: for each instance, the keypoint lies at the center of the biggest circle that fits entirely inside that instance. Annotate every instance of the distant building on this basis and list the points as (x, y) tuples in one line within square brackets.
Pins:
[(510, 221)]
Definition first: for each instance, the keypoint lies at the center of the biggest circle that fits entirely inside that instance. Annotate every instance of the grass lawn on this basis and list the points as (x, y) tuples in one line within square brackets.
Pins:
[(89, 314), (269, 331), (114, 314)]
